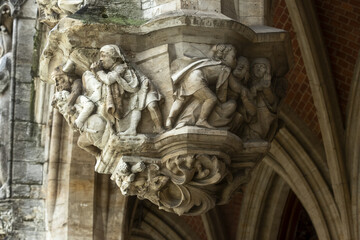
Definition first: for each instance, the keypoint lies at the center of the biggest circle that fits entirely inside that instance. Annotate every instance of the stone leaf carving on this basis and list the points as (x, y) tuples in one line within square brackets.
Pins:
[(183, 185), (200, 170), (139, 178)]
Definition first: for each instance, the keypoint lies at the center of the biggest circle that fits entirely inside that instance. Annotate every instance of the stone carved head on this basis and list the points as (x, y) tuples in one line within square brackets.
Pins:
[(261, 68), (109, 55), (61, 79), (242, 69), (225, 53)]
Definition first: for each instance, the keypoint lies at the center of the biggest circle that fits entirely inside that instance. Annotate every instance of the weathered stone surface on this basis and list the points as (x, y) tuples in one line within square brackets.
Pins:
[(24, 91), (7, 218), (22, 191), (23, 110), (25, 219), (27, 173), (26, 131), (31, 215), (23, 73), (27, 191), (28, 10), (28, 151), (25, 42), (22, 219)]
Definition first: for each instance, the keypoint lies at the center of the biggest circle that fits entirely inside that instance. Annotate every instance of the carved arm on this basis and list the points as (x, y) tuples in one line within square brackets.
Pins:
[(130, 82), (76, 90), (106, 78), (96, 95)]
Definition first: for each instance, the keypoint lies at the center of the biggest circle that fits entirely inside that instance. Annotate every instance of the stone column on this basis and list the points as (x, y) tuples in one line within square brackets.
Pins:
[(22, 194)]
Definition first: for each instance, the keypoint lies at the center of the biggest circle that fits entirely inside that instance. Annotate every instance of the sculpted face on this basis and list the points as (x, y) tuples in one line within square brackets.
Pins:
[(259, 70), (230, 59), (107, 60), (241, 68), (62, 82)]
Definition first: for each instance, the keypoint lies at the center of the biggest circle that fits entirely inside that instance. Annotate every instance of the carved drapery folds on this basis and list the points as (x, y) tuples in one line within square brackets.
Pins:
[(178, 123)]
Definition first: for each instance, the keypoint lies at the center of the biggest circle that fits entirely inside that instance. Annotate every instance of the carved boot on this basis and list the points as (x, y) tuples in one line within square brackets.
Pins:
[(169, 123), (206, 110), (135, 119), (157, 118), (203, 123), (130, 131)]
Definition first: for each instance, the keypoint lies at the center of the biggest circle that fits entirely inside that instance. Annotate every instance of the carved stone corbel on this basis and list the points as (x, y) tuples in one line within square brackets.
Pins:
[(218, 102)]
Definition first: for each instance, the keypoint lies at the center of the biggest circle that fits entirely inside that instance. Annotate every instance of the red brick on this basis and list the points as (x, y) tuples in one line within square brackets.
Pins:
[(343, 19), (347, 6), (196, 224)]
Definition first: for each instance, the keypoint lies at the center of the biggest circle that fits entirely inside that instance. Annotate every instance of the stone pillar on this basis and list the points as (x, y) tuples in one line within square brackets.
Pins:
[(21, 196)]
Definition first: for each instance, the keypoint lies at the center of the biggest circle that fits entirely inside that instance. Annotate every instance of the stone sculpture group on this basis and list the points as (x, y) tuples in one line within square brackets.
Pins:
[(217, 99)]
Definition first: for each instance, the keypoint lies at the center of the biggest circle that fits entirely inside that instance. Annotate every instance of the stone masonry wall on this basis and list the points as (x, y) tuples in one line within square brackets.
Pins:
[(22, 213)]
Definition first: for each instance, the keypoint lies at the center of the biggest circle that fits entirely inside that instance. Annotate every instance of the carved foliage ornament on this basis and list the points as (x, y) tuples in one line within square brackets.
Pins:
[(223, 111)]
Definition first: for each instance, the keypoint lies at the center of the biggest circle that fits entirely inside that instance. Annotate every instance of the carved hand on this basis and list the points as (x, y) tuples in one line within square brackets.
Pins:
[(146, 83), (94, 67)]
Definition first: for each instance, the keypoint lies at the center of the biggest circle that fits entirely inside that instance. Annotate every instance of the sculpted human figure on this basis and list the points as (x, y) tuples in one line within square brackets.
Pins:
[(239, 91), (5, 69), (127, 91), (260, 87), (193, 78), (69, 97), (5, 57), (77, 101)]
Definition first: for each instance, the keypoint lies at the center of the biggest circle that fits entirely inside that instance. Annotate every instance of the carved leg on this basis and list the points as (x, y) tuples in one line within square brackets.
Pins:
[(156, 116), (84, 114), (209, 99), (174, 112), (134, 122), (84, 143)]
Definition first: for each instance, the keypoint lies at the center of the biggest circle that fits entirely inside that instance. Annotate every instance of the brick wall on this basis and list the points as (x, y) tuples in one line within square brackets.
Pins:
[(231, 213), (340, 25), (299, 96), (195, 223)]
